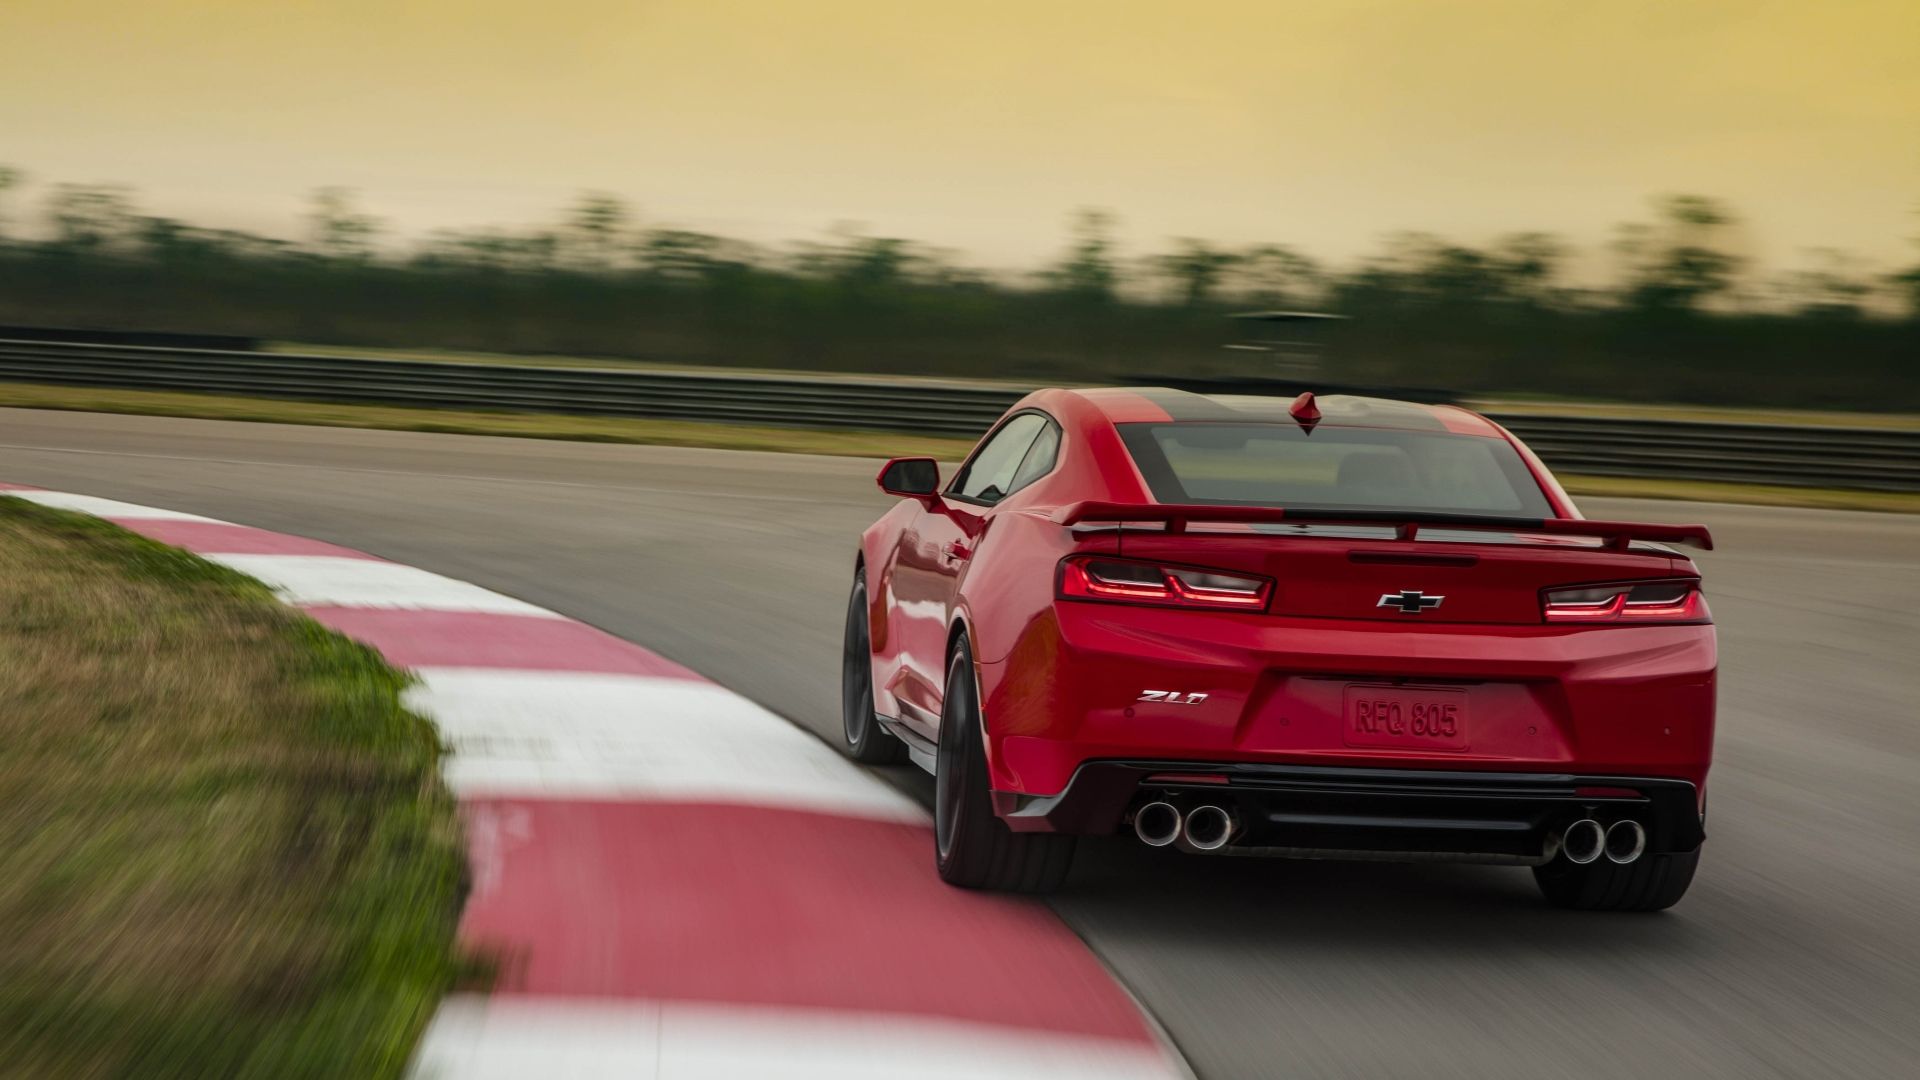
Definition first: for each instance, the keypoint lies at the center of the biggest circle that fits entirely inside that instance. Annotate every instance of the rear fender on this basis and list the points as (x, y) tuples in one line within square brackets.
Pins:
[(1008, 587), (1005, 607)]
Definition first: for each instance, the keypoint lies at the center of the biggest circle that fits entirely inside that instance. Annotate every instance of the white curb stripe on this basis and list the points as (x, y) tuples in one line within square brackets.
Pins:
[(107, 508), (532, 734), (331, 581), (515, 1038), (546, 733)]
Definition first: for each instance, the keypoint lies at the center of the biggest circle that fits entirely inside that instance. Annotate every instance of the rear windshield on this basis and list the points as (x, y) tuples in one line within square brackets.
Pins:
[(1334, 468)]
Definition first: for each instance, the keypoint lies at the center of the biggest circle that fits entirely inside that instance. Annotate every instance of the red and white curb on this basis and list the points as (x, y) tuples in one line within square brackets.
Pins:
[(678, 882)]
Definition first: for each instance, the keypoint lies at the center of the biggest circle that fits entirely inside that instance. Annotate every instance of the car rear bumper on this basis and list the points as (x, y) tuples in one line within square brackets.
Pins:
[(1103, 682), (1306, 810)]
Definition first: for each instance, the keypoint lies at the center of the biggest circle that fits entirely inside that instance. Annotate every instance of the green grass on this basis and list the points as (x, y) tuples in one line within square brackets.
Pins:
[(872, 444), (1639, 487), (547, 360), (1622, 410), (451, 421), (224, 846)]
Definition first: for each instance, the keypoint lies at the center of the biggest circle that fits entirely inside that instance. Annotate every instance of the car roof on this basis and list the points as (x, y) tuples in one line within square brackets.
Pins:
[(1159, 404)]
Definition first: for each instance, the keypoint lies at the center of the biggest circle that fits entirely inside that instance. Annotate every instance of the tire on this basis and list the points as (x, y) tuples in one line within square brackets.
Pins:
[(865, 740), (973, 848), (1649, 883)]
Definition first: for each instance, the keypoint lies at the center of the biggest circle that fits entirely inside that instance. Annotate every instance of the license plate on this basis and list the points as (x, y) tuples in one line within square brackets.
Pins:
[(1406, 717)]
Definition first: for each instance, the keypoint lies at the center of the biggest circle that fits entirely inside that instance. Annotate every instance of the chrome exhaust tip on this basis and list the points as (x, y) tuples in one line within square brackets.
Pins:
[(1625, 841), (1157, 824), (1583, 841), (1209, 828)]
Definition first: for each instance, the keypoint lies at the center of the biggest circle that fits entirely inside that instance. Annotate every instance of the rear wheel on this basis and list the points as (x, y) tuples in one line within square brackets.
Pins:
[(973, 847), (866, 741), (1649, 883)]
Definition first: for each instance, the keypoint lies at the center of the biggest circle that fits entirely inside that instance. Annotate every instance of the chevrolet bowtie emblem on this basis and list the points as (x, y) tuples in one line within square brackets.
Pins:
[(1410, 601)]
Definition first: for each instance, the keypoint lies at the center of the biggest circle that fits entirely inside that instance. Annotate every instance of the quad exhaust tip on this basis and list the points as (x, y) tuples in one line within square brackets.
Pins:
[(1625, 841), (1208, 828), (1157, 824), (1583, 842)]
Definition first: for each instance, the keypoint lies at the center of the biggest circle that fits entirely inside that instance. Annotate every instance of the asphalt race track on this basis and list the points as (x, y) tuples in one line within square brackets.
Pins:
[(1796, 954)]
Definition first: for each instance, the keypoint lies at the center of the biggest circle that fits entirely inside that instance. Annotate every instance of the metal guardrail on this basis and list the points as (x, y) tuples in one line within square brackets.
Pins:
[(1841, 457), (748, 399), (1868, 459)]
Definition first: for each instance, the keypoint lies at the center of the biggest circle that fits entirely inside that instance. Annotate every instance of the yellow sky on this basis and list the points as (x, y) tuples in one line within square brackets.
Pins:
[(978, 125)]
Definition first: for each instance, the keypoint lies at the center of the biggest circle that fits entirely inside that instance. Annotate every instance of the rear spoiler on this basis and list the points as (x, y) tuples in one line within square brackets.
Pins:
[(1407, 524)]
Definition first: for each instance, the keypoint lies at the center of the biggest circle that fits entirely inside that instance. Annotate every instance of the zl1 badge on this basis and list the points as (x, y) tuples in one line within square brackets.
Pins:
[(1171, 697)]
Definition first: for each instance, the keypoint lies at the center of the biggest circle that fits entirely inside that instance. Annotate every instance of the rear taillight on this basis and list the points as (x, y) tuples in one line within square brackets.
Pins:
[(1132, 581), (1628, 602)]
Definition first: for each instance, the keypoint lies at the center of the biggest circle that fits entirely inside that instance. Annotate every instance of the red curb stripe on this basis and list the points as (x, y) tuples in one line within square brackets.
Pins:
[(756, 906), (714, 903), (18, 487), (411, 638), (219, 538)]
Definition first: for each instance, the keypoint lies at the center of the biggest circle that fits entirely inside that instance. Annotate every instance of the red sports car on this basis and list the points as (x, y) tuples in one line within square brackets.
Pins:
[(1339, 628)]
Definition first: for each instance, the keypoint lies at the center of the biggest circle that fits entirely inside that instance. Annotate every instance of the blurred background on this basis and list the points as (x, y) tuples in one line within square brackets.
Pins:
[(1712, 201), (1673, 245)]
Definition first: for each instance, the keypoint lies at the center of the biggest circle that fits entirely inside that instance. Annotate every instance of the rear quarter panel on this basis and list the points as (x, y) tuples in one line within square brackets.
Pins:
[(1010, 579)]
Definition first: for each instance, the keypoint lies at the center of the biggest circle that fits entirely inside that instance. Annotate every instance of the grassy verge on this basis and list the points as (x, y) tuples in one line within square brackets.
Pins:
[(876, 444), (1609, 410), (523, 425), (544, 360), (1535, 403), (1639, 487), (224, 846)]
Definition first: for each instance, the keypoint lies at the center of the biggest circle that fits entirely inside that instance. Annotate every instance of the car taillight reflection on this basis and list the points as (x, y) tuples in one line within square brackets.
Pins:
[(1134, 581), (1628, 602)]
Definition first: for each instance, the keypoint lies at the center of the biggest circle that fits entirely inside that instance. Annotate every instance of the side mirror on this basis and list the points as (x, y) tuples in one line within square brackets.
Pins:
[(910, 477)]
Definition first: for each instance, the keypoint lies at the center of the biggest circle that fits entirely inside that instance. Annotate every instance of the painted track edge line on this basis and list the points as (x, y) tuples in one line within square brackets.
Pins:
[(131, 516)]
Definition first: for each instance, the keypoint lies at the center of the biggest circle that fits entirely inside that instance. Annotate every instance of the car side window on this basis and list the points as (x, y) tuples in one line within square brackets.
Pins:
[(988, 478), (1040, 457)]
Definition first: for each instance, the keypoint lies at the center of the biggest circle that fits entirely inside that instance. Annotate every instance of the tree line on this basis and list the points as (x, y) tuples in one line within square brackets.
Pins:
[(1684, 318)]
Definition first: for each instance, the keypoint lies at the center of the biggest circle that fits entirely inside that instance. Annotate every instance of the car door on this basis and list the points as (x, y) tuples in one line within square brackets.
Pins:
[(933, 551)]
